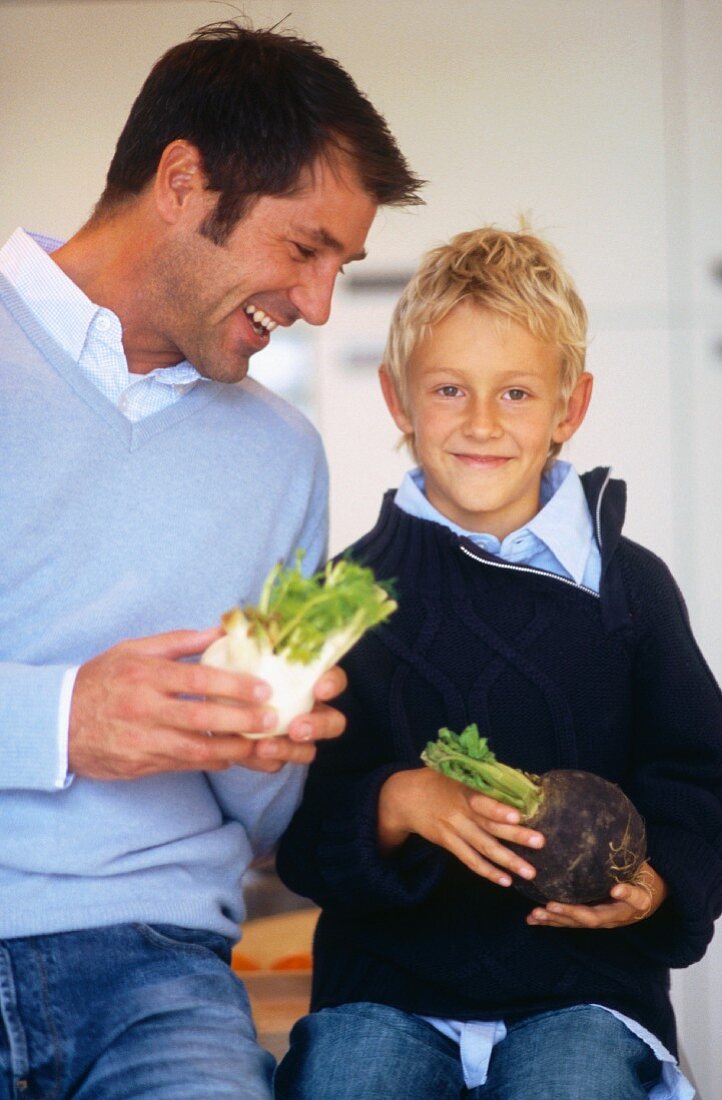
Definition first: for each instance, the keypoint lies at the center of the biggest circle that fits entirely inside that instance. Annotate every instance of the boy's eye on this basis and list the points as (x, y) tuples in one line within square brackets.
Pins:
[(448, 391), (516, 394)]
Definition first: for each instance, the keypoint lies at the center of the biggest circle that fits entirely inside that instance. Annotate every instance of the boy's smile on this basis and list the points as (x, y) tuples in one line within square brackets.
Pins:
[(484, 406)]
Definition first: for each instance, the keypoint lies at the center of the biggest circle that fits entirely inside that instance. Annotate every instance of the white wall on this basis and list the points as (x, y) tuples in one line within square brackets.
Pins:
[(599, 118)]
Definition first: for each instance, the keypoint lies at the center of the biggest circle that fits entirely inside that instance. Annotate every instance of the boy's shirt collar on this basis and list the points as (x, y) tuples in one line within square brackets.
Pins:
[(562, 527)]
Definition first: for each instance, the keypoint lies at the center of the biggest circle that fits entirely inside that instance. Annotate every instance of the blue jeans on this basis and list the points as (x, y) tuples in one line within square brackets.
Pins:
[(124, 1012), (373, 1052)]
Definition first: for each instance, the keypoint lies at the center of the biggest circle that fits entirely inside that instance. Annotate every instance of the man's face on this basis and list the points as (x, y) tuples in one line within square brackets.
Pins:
[(216, 305)]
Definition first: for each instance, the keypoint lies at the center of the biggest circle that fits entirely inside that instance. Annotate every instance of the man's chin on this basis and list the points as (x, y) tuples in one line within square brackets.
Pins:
[(228, 370)]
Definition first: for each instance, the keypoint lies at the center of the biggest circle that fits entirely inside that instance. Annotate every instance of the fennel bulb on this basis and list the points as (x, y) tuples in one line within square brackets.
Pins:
[(300, 627)]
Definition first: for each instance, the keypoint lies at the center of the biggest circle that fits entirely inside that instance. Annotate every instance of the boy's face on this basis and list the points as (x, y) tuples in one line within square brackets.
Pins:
[(484, 406)]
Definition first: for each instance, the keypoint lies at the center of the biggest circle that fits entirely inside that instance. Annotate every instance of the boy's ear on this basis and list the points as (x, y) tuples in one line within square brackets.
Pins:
[(393, 403), (575, 409)]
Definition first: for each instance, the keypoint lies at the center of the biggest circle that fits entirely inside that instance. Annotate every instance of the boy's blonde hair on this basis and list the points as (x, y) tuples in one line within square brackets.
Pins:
[(515, 276)]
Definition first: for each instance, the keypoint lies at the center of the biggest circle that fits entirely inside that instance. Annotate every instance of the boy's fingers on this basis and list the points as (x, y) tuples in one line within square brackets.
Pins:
[(493, 809), (500, 824), (503, 860)]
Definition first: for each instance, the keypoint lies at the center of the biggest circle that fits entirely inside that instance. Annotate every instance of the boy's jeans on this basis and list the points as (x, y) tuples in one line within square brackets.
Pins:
[(124, 1012), (375, 1052)]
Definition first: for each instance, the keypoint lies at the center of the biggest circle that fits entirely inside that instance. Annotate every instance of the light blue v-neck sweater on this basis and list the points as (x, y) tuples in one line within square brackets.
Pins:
[(111, 530)]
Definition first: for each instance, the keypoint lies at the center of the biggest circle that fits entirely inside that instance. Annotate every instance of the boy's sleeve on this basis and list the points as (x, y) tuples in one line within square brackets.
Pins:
[(678, 784), (330, 852)]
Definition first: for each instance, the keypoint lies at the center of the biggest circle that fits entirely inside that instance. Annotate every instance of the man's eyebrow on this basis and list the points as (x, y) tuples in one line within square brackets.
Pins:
[(323, 237)]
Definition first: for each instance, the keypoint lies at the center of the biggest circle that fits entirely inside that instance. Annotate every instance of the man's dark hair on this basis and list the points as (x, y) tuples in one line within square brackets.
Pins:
[(260, 106)]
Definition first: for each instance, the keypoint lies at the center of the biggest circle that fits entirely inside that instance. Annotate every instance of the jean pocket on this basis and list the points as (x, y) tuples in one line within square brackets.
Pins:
[(192, 940)]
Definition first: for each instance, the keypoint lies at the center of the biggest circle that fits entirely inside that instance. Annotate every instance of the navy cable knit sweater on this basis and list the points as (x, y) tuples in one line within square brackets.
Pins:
[(557, 677)]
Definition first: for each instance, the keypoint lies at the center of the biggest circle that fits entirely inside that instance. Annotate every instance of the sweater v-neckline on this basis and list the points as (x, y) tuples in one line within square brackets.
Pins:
[(134, 433)]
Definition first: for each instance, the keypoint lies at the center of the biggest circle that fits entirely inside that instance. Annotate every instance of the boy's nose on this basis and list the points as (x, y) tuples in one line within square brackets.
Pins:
[(481, 419)]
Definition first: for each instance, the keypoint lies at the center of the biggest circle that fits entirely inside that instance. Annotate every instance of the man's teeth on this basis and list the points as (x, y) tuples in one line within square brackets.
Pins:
[(260, 320)]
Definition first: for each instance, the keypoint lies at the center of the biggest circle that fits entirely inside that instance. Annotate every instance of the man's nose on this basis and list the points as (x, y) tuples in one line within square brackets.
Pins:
[(312, 297)]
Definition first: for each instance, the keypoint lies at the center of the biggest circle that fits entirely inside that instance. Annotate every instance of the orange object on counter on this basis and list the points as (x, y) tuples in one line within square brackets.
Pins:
[(299, 960), (244, 962)]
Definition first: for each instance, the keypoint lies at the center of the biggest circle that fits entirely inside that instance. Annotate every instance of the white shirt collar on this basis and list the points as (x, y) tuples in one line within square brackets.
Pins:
[(64, 310), (563, 523)]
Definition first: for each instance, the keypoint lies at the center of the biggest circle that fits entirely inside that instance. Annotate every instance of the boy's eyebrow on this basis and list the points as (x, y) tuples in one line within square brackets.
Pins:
[(323, 237)]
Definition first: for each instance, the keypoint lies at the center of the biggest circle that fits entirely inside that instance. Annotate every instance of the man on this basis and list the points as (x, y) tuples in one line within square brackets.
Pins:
[(142, 494)]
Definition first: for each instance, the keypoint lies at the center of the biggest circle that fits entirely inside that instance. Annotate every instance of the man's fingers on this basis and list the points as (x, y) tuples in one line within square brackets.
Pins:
[(321, 724), (200, 715), (283, 751), (156, 711), (174, 643), (331, 684), (177, 678)]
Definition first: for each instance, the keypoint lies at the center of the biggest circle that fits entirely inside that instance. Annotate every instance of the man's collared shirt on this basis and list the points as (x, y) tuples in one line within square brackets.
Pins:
[(91, 335)]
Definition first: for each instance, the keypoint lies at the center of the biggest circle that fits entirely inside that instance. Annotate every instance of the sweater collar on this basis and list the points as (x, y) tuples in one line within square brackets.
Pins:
[(562, 525), (403, 545)]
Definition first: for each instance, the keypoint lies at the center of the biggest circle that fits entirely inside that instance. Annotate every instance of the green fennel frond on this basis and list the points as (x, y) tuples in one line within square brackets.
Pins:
[(297, 615)]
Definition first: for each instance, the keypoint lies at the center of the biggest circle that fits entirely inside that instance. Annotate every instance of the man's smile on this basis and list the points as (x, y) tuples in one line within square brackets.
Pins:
[(262, 324)]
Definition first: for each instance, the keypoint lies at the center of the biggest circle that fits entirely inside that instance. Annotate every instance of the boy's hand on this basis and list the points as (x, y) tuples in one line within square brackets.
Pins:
[(468, 825), (630, 902)]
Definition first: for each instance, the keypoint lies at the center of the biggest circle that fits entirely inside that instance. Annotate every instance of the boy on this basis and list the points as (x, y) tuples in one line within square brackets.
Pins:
[(524, 609)]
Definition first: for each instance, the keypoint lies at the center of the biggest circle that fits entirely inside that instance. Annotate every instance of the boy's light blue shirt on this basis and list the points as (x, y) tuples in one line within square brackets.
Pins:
[(559, 539)]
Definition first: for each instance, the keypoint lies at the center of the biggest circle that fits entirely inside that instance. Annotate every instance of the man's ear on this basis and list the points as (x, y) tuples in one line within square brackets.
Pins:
[(180, 181), (575, 409), (393, 402)]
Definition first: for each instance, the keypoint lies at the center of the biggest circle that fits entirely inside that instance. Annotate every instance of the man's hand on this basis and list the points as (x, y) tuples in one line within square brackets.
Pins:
[(629, 902), (471, 826), (138, 709)]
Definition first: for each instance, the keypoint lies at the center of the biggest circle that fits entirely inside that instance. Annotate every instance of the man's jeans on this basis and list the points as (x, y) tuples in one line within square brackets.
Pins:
[(372, 1052), (126, 1012)]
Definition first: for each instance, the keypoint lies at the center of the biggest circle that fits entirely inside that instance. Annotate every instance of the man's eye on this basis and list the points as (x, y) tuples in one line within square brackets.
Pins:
[(304, 252)]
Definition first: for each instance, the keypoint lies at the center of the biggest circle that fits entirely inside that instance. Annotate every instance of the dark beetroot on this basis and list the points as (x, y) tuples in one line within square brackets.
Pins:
[(594, 839), (594, 835)]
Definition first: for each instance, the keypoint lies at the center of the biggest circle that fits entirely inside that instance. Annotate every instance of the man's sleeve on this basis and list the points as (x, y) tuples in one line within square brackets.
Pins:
[(34, 711)]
